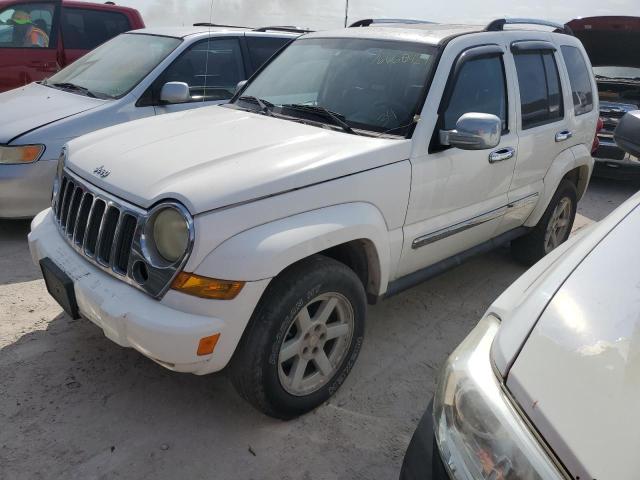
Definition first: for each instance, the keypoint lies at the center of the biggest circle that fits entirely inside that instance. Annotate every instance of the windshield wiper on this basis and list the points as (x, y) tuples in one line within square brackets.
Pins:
[(265, 107), (319, 110), (76, 88)]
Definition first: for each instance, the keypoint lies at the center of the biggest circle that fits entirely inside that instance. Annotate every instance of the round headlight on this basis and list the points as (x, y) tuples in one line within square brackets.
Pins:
[(171, 234)]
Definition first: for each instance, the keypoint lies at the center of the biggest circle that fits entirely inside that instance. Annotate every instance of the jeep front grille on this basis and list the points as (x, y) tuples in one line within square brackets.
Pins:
[(107, 232), (100, 229)]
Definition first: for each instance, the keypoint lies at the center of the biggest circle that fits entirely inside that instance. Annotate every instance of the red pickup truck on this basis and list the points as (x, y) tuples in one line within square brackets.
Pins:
[(39, 37)]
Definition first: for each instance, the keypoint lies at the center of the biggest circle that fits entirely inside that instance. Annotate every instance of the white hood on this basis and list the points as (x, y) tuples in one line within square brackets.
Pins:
[(578, 375), (28, 108), (214, 157)]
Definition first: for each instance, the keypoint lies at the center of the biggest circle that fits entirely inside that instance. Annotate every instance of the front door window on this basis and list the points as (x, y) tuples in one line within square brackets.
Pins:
[(27, 25)]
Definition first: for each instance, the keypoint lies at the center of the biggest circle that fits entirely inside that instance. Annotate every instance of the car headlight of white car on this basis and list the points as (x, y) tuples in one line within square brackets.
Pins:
[(479, 432), (171, 232), (16, 155)]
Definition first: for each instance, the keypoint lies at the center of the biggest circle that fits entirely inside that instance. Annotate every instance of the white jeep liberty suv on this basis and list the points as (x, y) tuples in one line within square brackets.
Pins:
[(353, 165)]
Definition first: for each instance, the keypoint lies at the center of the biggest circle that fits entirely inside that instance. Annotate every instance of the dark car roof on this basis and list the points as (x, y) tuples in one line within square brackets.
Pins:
[(610, 40)]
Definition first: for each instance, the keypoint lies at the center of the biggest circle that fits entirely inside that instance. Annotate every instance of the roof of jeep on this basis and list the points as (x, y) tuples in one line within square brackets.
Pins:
[(183, 32), (432, 33)]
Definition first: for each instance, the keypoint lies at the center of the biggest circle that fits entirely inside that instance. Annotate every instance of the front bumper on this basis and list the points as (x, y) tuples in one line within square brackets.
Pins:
[(422, 460), (157, 329), (25, 189)]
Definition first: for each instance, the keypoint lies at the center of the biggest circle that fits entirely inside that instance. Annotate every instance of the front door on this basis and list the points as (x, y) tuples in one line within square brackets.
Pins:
[(28, 43), (458, 197), (212, 68)]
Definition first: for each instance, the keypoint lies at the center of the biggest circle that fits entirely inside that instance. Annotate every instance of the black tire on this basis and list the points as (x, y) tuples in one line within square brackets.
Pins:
[(254, 369), (530, 248)]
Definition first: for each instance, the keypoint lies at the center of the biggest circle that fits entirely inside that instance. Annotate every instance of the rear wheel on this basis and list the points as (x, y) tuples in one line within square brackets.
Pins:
[(303, 339), (552, 230)]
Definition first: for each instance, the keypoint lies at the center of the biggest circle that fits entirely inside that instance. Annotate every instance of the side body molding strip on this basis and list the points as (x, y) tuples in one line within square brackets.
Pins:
[(443, 233)]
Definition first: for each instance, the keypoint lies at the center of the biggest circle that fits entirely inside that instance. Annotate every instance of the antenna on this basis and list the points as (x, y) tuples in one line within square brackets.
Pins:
[(346, 14)]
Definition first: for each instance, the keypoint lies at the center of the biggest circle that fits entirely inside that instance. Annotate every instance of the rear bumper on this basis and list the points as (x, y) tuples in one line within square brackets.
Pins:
[(157, 329), (612, 162), (25, 189), (422, 460)]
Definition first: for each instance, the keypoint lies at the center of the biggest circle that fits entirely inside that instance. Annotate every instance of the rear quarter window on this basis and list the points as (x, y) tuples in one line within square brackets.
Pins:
[(84, 29), (580, 79)]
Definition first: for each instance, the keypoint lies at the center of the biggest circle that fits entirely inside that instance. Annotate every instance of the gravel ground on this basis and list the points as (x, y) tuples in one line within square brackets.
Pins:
[(73, 405)]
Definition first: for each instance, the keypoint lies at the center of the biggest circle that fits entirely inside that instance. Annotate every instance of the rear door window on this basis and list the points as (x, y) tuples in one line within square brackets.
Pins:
[(84, 29), (540, 88), (480, 87), (212, 69), (262, 49), (580, 79)]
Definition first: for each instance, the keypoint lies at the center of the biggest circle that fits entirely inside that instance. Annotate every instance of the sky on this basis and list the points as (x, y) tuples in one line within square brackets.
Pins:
[(324, 14)]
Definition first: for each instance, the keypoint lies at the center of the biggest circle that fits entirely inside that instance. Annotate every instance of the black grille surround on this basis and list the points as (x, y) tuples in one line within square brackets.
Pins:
[(109, 233)]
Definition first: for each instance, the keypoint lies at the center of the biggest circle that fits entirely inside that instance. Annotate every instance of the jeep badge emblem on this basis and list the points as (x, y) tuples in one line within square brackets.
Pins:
[(101, 172)]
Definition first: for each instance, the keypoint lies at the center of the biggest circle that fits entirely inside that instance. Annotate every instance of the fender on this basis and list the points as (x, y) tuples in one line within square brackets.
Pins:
[(263, 252), (570, 159)]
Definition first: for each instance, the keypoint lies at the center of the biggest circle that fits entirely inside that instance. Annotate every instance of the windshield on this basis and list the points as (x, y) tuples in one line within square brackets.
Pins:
[(629, 73), (367, 84), (116, 67)]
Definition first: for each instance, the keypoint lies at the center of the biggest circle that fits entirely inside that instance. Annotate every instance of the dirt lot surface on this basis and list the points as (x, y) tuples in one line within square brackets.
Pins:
[(73, 405)]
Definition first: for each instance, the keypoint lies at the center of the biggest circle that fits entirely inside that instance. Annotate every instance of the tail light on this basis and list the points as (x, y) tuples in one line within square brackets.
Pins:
[(596, 140)]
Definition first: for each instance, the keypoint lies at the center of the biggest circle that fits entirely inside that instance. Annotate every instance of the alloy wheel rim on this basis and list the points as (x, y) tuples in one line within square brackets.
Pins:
[(315, 344), (558, 226)]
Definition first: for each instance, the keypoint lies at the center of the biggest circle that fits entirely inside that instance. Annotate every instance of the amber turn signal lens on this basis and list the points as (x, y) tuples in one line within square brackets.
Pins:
[(207, 344), (205, 287)]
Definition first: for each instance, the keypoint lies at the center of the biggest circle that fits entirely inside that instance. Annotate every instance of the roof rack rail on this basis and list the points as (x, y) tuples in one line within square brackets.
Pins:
[(377, 21), (498, 24), (283, 28), (207, 24)]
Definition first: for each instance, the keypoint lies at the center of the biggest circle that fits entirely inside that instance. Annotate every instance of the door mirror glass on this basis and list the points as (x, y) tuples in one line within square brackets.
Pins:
[(175, 92), (240, 85), (474, 131)]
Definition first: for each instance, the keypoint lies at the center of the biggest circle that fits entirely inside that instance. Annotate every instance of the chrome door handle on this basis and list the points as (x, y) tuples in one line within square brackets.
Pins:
[(564, 135), (502, 154)]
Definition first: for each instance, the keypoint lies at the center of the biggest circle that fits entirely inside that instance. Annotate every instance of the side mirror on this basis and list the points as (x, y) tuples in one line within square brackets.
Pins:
[(627, 134), (175, 92), (240, 84), (474, 131)]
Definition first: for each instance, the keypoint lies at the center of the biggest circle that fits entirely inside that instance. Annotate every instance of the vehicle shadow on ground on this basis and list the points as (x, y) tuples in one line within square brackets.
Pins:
[(75, 405), (15, 262)]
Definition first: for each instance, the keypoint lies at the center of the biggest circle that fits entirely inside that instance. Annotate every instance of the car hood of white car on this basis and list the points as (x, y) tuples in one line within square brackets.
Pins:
[(33, 106), (578, 375), (215, 157)]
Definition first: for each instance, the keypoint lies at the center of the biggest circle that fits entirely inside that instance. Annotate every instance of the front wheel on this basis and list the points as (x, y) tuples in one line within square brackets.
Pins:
[(303, 338), (552, 230)]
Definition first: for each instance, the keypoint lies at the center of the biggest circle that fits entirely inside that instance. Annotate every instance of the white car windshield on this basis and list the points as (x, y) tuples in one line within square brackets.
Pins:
[(116, 67), (350, 83)]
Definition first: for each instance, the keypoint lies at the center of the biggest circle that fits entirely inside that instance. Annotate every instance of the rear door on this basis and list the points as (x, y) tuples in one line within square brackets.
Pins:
[(212, 68), (83, 29), (544, 127), (23, 61)]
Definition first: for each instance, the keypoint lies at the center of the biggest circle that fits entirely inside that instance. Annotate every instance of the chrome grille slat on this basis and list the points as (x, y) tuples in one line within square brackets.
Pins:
[(110, 234), (74, 205), (83, 218)]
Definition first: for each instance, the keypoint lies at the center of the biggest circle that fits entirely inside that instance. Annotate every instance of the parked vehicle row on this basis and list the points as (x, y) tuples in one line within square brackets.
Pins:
[(545, 387), (39, 37), (353, 165), (135, 75), (613, 45)]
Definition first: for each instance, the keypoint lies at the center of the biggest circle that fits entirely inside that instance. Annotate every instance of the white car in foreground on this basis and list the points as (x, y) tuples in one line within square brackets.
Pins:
[(355, 164), (547, 386)]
